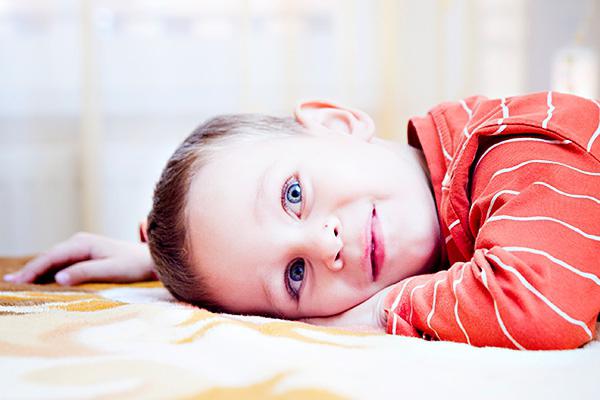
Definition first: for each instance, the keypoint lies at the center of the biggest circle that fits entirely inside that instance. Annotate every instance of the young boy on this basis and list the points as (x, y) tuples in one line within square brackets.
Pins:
[(484, 229)]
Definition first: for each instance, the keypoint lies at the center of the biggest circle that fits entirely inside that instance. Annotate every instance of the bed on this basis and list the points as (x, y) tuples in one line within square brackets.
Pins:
[(135, 341)]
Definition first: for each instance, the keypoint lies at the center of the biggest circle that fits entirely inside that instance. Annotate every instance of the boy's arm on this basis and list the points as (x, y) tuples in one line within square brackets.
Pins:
[(499, 298), (87, 257), (533, 281)]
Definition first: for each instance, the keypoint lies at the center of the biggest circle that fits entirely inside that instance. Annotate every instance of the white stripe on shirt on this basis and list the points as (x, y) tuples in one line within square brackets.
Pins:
[(504, 115), (539, 295), (550, 109), (495, 197), (520, 140), (470, 114), (578, 196), (563, 264), (430, 316), (514, 167), (544, 218), (539, 183), (466, 107), (597, 132), (498, 317), (399, 296), (453, 224), (412, 292), (454, 284)]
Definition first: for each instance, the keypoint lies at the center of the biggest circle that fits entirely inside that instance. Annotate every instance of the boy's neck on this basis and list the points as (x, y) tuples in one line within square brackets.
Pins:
[(413, 155), (419, 157), (416, 159)]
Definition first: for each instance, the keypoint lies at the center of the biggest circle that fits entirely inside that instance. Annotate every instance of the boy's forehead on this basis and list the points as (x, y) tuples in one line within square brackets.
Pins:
[(223, 193), (248, 156), (277, 141)]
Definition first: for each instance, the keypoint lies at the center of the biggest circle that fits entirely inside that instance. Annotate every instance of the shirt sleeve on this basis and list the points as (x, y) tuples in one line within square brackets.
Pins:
[(533, 279)]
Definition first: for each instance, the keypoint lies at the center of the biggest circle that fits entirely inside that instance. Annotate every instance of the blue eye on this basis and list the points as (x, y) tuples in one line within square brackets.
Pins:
[(294, 193), (291, 196), (294, 276)]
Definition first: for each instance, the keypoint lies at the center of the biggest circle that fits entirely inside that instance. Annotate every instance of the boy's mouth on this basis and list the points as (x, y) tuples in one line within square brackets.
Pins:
[(376, 250)]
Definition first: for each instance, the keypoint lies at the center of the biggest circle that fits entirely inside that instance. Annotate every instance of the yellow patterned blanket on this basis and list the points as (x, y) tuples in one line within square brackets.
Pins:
[(107, 341)]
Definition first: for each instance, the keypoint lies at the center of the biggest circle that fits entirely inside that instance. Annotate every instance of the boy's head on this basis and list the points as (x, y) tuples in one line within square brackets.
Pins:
[(291, 217)]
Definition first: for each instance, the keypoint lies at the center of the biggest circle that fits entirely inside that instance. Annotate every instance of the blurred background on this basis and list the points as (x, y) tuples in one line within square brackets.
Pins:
[(96, 94)]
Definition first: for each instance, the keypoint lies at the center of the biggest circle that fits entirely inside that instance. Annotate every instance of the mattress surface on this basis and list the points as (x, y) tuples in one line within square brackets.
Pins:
[(134, 341)]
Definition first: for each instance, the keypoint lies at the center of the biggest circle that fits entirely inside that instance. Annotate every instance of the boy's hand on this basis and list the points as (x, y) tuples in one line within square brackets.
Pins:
[(86, 257), (368, 316)]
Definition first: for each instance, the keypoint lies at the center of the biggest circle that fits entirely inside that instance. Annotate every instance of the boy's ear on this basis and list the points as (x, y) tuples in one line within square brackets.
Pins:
[(324, 117), (143, 231)]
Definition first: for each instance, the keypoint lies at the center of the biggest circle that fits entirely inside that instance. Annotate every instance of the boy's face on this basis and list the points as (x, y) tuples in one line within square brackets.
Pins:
[(285, 226)]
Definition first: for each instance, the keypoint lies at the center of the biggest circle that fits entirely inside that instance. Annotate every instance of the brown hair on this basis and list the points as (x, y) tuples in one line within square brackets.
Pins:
[(167, 222)]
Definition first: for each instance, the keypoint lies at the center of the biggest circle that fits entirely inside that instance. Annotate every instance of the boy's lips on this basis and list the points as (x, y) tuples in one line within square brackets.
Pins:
[(374, 253)]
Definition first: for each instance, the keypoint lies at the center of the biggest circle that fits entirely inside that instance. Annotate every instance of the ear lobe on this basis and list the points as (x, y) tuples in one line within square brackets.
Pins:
[(324, 117)]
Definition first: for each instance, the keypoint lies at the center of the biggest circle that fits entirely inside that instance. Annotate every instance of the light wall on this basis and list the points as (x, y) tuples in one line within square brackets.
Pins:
[(95, 95)]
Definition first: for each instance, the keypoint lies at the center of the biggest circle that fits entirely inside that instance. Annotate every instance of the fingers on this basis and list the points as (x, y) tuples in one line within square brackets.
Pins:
[(76, 248), (103, 270), (86, 271)]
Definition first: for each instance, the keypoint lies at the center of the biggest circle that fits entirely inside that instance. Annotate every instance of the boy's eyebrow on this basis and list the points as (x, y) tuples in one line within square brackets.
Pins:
[(261, 191), (270, 297)]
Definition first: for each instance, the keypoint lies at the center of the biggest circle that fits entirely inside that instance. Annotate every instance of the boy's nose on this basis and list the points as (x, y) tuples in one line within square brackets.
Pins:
[(328, 244)]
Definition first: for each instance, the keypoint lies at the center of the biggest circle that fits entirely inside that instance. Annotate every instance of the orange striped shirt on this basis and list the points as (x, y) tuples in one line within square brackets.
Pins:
[(517, 186)]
